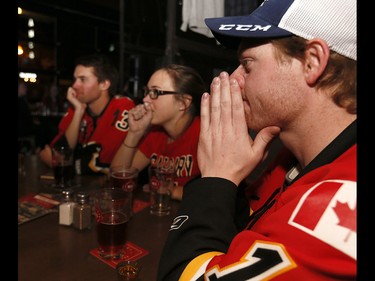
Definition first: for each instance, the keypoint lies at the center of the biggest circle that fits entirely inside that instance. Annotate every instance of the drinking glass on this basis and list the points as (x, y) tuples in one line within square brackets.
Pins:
[(112, 207), (123, 178), (161, 185), (62, 163), (128, 270)]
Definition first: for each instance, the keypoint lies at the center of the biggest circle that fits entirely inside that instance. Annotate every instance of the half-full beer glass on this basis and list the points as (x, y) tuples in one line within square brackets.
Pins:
[(112, 210)]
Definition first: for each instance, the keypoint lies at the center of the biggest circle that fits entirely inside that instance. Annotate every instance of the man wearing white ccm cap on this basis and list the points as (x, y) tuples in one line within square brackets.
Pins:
[(297, 81)]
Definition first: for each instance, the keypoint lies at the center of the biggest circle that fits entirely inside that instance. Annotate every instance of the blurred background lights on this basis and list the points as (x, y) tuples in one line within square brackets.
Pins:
[(30, 23), (28, 76), (31, 33), (31, 55), (20, 50)]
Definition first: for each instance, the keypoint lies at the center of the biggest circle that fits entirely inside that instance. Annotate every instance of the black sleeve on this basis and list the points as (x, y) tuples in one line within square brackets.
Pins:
[(205, 222), (242, 208)]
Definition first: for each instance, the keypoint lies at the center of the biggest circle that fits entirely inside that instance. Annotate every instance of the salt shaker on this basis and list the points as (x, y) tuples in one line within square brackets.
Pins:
[(66, 207), (82, 211)]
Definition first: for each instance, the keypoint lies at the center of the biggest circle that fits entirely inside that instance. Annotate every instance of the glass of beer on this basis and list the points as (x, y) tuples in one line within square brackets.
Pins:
[(112, 214), (62, 163), (125, 179), (161, 185)]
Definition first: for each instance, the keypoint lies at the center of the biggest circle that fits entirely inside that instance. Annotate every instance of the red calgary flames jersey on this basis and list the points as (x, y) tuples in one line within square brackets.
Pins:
[(100, 136)]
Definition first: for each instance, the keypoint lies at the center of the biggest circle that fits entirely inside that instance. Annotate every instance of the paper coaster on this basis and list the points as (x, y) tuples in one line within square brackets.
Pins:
[(33, 206), (132, 252)]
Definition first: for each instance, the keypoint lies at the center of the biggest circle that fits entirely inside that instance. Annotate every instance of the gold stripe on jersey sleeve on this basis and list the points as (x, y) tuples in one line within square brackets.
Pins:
[(197, 266)]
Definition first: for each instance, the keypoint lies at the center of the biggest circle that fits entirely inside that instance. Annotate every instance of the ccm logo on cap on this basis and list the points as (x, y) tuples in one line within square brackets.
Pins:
[(244, 27)]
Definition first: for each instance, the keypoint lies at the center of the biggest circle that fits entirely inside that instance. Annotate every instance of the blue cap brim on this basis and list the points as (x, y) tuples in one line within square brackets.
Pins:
[(229, 31)]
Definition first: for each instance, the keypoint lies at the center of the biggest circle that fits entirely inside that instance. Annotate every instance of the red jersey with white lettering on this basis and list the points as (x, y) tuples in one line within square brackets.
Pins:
[(181, 153), (303, 230), (99, 136)]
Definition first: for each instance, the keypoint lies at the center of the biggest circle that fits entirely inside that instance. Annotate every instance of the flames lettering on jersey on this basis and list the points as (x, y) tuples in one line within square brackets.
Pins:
[(183, 163)]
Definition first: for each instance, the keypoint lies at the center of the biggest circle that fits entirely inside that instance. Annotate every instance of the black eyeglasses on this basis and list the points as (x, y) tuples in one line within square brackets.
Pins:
[(154, 93)]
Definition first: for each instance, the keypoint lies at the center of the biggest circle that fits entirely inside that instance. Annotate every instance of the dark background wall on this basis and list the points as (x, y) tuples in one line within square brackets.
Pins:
[(66, 29)]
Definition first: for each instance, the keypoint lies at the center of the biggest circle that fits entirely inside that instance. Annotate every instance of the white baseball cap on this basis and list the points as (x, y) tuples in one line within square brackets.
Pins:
[(334, 21)]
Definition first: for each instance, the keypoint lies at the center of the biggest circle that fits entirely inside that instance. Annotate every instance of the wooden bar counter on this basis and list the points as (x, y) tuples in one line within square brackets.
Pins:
[(49, 251)]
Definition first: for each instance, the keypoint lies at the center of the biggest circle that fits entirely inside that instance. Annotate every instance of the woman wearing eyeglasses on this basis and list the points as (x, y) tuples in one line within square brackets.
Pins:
[(164, 130)]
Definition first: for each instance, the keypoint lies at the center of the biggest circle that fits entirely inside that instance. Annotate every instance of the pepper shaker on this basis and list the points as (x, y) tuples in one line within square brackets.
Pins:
[(82, 212)]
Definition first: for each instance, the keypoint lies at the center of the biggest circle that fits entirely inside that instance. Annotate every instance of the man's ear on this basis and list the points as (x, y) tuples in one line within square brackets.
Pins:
[(316, 59), (104, 85)]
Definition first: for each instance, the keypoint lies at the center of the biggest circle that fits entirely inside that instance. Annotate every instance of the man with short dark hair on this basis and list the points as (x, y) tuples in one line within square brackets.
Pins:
[(96, 122)]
